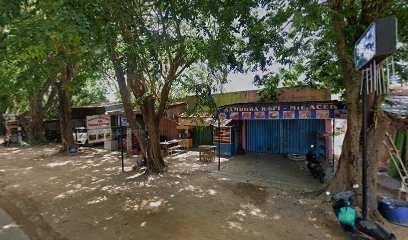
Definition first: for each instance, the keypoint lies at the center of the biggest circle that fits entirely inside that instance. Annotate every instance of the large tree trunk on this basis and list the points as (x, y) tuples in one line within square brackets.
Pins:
[(127, 106), (155, 161), (65, 108), (379, 125), (349, 168), (150, 145), (350, 162), (36, 129)]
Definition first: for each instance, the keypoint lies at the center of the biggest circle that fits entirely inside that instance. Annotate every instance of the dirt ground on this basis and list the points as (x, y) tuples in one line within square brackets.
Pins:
[(53, 195)]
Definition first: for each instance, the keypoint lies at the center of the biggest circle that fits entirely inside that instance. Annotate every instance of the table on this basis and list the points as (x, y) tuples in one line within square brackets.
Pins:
[(168, 147), (207, 153)]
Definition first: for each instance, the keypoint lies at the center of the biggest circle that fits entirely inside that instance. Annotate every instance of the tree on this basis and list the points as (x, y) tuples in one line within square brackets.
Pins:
[(151, 44), (26, 82), (90, 92), (44, 42), (315, 40)]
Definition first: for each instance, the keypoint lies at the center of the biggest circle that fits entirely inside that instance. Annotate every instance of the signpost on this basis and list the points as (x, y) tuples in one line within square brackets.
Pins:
[(121, 143), (219, 143), (371, 54)]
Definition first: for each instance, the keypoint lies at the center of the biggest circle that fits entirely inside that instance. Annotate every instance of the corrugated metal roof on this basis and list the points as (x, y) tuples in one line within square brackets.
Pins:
[(100, 105), (397, 106)]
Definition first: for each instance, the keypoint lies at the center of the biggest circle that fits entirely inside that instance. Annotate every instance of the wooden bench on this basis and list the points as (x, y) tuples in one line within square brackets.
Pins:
[(170, 147), (175, 149)]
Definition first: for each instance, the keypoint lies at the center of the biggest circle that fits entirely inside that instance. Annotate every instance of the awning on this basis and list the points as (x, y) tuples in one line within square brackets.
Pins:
[(223, 123), (195, 121), (202, 122)]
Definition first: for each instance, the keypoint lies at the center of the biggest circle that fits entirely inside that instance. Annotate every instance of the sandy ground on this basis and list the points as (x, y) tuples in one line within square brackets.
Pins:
[(53, 195)]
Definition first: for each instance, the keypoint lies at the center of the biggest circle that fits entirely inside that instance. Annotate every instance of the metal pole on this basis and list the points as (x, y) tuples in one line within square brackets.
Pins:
[(334, 131), (121, 142), (364, 155), (219, 143)]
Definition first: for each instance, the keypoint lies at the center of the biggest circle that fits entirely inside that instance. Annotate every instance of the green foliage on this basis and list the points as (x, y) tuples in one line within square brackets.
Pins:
[(155, 42), (90, 93), (38, 38), (299, 36), (8, 94), (201, 82)]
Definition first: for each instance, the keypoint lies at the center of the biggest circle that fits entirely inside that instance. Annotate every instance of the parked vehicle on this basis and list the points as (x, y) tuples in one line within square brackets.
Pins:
[(81, 136), (315, 165), (357, 228)]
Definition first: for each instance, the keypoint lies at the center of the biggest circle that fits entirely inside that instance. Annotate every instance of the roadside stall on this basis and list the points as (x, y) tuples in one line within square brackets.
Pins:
[(283, 128), (202, 131), (224, 138), (185, 136), (13, 129)]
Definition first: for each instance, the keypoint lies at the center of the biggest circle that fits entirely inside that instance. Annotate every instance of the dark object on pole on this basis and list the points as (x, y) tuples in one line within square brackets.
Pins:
[(219, 142), (364, 146), (334, 146), (121, 143)]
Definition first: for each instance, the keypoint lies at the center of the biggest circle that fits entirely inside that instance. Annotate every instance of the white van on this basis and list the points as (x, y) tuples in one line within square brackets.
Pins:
[(81, 136)]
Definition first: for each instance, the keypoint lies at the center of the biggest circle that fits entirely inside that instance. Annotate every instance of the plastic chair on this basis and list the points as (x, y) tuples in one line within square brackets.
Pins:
[(403, 188)]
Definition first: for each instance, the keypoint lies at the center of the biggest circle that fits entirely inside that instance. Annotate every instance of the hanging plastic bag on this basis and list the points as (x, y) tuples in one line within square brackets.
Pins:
[(347, 216)]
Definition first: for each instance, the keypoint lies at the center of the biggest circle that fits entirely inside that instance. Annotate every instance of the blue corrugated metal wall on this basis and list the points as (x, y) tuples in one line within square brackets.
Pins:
[(282, 136)]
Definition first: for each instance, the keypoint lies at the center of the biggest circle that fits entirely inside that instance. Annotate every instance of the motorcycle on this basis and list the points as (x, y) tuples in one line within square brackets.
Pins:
[(315, 165), (357, 228)]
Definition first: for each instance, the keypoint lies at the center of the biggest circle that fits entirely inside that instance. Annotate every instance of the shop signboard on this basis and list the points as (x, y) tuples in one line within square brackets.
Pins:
[(275, 111), (377, 43), (99, 128)]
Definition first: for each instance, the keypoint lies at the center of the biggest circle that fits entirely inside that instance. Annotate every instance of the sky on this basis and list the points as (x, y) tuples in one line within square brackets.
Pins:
[(240, 82), (237, 82)]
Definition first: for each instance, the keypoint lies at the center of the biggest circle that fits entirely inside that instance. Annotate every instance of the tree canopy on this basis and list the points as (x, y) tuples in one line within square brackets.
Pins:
[(313, 41), (300, 36), (153, 44)]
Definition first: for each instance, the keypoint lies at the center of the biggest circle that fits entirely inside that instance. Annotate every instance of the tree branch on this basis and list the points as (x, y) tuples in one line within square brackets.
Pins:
[(53, 92)]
